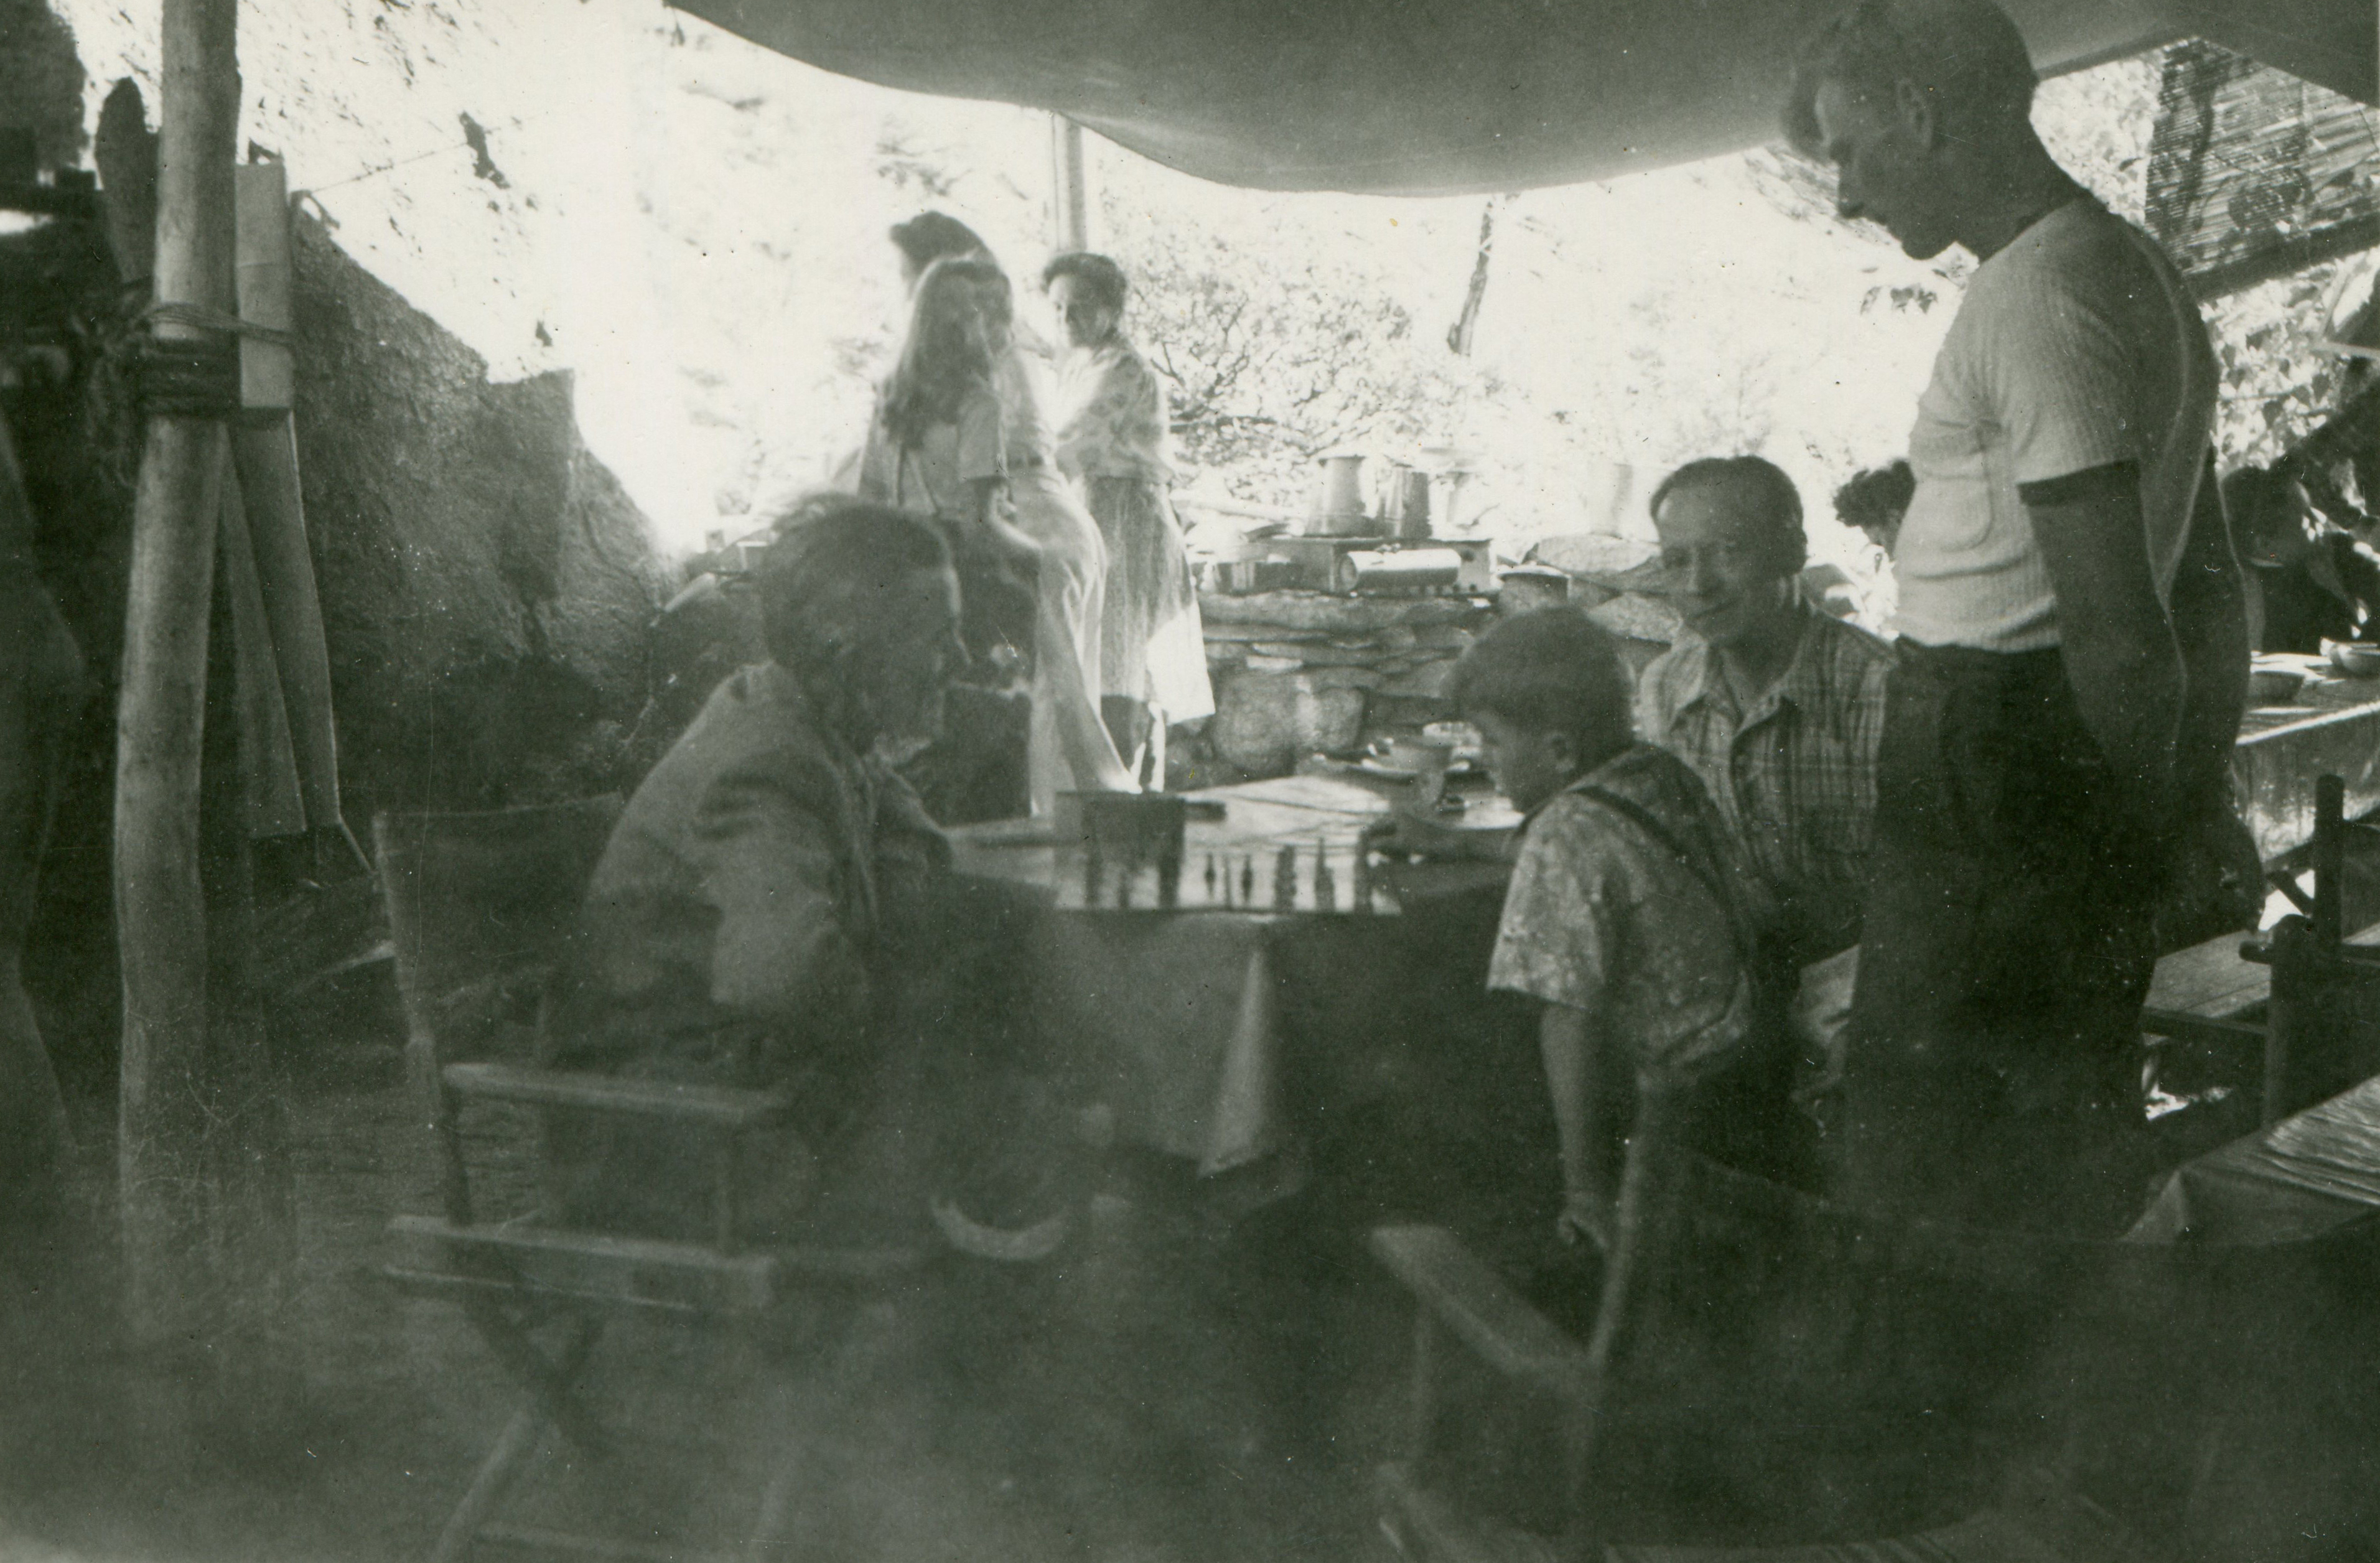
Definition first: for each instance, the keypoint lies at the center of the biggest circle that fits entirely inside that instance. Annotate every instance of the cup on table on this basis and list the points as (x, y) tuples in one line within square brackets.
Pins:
[(1427, 756)]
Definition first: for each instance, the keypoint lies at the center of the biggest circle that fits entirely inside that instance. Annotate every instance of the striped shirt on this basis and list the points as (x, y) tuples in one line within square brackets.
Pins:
[(1794, 777)]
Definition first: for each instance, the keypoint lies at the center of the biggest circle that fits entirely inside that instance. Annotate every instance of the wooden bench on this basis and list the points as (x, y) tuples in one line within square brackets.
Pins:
[(2213, 997), (2214, 981)]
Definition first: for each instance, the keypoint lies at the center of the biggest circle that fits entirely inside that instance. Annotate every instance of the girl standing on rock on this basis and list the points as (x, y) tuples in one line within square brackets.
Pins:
[(1112, 438)]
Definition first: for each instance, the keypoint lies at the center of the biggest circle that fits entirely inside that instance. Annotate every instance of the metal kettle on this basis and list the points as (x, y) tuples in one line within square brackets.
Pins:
[(1339, 499)]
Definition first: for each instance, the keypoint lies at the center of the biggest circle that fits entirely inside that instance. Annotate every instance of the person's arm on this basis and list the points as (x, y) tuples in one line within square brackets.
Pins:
[(983, 463), (2060, 365), (1566, 1042), (2210, 624), (1555, 945), (780, 952), (2115, 638)]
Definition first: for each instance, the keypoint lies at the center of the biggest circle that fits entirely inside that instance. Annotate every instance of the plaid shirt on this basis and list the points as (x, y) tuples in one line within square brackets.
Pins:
[(1794, 777)]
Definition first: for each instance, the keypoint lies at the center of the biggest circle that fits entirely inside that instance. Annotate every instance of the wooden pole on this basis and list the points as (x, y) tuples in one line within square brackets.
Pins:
[(1070, 185), (160, 905)]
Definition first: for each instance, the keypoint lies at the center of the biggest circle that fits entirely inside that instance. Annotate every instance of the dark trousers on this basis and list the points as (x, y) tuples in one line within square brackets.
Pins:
[(1993, 1075)]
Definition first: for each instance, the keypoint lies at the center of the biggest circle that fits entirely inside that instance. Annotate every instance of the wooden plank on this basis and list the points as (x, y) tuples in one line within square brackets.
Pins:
[(2214, 982), (268, 763), (453, 1287), (714, 1106), (754, 1278), (639, 1270), (2210, 980), (1326, 793), (538, 1539), (266, 460), (1473, 1302)]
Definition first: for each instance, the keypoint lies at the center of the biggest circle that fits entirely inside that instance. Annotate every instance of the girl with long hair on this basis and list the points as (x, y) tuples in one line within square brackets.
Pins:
[(939, 444)]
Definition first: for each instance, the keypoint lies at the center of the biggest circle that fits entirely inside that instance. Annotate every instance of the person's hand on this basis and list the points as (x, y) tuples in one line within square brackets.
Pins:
[(1012, 543), (1585, 1218), (1421, 835)]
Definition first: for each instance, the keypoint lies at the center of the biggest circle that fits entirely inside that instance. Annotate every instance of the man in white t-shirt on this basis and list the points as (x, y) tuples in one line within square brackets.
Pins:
[(2073, 654)]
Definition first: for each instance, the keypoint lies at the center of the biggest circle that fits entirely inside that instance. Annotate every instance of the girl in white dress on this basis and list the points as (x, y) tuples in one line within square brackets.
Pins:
[(941, 441)]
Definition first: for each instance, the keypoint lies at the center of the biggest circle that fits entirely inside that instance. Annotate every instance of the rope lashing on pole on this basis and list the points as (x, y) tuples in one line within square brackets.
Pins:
[(196, 376)]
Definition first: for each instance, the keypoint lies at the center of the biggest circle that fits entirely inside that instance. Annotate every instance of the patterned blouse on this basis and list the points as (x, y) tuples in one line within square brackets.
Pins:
[(1111, 416), (1646, 932)]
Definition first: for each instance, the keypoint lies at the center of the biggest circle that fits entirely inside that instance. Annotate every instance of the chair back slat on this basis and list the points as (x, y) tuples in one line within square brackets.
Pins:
[(480, 906)]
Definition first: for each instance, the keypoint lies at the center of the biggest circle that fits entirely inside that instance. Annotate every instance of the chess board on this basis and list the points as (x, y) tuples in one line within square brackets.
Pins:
[(1314, 877)]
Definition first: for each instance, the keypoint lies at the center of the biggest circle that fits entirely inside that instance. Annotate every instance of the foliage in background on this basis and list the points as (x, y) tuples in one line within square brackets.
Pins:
[(1273, 354), (722, 287), (2278, 382)]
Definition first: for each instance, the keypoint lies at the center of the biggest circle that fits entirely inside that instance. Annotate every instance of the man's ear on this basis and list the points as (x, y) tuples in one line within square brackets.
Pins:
[(1563, 750), (1913, 107)]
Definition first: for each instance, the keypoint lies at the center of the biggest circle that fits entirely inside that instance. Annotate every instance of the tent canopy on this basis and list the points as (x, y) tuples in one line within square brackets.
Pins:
[(1437, 97)]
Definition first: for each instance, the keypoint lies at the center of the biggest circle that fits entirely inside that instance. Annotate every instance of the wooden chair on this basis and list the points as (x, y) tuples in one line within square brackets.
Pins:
[(2284, 1007), (480, 908), (1743, 1326)]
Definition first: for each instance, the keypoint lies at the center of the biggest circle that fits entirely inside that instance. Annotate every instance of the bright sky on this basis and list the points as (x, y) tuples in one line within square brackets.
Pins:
[(696, 227)]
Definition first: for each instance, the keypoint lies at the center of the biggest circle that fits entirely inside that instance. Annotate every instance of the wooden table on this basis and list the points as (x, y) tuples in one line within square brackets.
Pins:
[(2312, 1173), (2330, 727), (1224, 1035)]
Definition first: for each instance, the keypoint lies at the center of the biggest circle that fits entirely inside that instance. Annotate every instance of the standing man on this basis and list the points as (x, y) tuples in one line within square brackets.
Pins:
[(2072, 658), (1776, 706)]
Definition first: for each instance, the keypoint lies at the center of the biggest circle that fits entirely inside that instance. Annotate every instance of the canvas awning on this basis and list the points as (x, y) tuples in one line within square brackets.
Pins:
[(1442, 96)]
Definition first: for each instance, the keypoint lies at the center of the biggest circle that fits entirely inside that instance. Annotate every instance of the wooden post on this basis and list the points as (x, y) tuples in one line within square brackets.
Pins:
[(160, 907), (1070, 185)]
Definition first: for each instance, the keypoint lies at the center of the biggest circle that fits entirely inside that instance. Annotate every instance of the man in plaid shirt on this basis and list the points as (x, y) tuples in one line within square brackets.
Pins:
[(1776, 706)]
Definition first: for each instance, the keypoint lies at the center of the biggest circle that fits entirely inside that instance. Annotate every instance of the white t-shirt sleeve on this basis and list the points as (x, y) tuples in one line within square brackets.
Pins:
[(2058, 370)]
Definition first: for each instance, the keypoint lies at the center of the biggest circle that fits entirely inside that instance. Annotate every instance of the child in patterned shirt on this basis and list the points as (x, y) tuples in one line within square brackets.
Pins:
[(1628, 919)]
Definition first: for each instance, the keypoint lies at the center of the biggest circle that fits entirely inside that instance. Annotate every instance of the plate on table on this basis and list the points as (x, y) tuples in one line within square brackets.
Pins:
[(2355, 659)]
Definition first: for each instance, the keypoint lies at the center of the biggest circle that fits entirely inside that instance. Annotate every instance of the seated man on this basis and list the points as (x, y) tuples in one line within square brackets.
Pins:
[(1628, 918), (1777, 707), (2310, 580), (769, 892)]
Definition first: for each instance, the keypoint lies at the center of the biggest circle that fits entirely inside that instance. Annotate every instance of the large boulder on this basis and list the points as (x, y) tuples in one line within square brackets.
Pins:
[(488, 586), (1265, 722), (1614, 563)]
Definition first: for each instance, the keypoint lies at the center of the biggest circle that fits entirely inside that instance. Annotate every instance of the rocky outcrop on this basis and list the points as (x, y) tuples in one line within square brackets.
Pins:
[(1301, 671), (487, 585), (1621, 586)]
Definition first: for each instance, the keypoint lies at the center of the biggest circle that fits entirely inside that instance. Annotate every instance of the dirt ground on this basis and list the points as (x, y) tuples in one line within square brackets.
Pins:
[(1125, 1403)]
